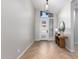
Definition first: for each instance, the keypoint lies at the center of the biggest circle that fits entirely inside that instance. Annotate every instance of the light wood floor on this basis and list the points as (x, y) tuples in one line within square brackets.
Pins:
[(47, 50)]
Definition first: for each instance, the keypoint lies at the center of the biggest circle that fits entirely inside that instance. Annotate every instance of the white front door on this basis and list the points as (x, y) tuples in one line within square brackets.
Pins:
[(44, 29)]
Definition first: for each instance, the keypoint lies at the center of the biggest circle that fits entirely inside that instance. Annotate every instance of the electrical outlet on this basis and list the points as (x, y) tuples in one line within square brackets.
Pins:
[(18, 50)]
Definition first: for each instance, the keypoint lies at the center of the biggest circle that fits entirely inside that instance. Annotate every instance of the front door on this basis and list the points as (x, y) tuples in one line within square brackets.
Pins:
[(44, 28)]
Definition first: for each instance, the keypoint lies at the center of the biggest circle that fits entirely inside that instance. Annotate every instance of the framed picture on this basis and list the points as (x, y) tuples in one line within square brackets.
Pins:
[(43, 22)]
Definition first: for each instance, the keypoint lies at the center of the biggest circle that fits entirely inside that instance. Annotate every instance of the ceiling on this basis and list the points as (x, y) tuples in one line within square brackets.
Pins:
[(54, 6)]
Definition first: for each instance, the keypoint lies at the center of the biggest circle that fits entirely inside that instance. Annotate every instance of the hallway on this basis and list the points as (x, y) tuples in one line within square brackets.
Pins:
[(40, 22), (47, 50)]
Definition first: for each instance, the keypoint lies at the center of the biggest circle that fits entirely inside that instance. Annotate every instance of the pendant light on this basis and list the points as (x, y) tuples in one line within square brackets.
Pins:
[(46, 6)]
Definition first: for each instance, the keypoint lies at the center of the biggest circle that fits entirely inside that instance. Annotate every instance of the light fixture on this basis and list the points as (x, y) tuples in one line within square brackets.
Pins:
[(46, 6)]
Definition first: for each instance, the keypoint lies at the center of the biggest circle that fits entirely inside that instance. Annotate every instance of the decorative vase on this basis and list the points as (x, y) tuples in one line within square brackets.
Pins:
[(62, 26)]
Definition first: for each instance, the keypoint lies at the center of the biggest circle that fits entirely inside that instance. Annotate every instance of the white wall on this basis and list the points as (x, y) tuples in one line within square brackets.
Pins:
[(55, 23), (37, 25), (17, 25), (65, 15)]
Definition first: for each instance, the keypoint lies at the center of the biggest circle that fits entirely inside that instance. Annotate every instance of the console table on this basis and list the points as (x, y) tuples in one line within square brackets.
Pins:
[(60, 40)]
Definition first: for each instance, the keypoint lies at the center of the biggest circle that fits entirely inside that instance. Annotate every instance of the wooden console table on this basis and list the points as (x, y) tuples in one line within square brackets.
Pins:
[(60, 41)]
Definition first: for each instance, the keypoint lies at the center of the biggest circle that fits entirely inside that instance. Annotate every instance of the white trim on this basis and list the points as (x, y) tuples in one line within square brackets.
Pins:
[(37, 40), (24, 51), (44, 39), (71, 50)]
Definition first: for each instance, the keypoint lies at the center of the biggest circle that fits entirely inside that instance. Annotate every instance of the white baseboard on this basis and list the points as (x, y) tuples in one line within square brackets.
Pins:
[(37, 40), (43, 39), (24, 51), (71, 50)]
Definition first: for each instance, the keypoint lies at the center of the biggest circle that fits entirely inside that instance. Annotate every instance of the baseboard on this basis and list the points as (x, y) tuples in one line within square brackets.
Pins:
[(24, 51), (37, 40), (43, 39), (70, 50)]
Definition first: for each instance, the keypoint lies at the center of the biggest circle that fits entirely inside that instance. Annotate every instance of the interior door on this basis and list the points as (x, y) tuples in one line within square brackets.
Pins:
[(44, 28)]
